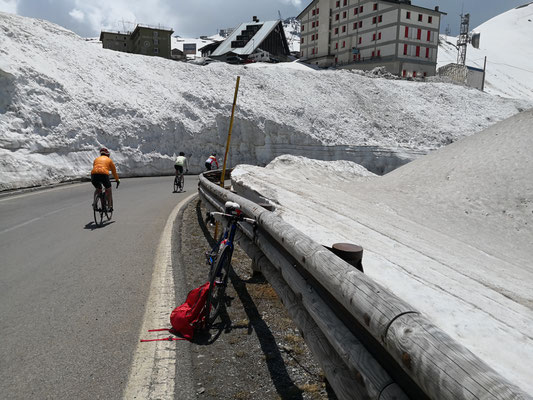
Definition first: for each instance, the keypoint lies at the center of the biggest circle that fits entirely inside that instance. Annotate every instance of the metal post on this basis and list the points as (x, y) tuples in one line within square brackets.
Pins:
[(484, 69)]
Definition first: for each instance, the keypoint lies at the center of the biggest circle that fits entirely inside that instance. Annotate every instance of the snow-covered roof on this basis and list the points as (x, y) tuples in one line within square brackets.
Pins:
[(254, 43)]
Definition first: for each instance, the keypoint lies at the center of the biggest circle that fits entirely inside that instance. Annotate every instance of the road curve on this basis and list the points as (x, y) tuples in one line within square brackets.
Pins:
[(72, 296)]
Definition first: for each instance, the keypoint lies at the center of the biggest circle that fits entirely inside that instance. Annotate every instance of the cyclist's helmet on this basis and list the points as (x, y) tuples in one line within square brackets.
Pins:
[(182, 153), (104, 152), (232, 208)]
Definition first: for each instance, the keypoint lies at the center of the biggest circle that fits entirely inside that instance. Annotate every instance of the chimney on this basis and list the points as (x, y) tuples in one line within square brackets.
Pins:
[(436, 8), (255, 19)]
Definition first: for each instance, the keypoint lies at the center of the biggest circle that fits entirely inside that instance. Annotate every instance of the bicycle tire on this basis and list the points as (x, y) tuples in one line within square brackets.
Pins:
[(98, 210), (175, 185), (181, 182), (218, 279)]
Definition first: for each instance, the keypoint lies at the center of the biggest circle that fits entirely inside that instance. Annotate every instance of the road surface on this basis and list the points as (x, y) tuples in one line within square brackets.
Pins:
[(72, 296)]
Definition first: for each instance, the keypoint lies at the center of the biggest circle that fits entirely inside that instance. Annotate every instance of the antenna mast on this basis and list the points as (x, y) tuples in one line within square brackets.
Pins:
[(463, 39)]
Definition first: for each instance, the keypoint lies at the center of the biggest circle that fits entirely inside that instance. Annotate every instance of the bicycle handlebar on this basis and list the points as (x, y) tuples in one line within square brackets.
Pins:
[(231, 216)]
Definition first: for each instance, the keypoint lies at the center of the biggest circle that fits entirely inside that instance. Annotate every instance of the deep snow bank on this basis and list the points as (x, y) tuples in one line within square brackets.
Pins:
[(450, 232), (61, 98)]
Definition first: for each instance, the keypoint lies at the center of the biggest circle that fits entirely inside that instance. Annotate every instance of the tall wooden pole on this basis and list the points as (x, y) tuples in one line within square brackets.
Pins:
[(228, 144), (229, 133)]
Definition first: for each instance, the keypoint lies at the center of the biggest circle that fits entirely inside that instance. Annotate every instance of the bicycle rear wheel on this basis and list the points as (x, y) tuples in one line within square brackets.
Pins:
[(218, 279), (98, 209), (175, 185), (181, 182)]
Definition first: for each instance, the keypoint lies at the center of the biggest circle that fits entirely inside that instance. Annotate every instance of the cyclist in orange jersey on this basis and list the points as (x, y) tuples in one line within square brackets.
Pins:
[(100, 175)]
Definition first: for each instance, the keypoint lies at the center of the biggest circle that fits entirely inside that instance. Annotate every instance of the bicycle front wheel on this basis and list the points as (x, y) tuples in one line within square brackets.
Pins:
[(218, 279), (182, 181)]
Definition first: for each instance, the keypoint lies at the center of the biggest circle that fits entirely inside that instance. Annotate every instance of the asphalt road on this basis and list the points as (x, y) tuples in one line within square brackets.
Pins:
[(72, 295)]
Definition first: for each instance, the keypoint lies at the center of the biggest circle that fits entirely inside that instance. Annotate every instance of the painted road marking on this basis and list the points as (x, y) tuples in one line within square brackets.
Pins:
[(153, 372)]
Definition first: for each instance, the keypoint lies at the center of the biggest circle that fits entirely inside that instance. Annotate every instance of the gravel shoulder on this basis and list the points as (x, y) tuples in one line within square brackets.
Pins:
[(255, 351)]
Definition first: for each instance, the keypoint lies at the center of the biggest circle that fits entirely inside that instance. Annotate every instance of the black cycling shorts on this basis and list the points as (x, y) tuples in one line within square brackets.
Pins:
[(179, 168), (100, 179)]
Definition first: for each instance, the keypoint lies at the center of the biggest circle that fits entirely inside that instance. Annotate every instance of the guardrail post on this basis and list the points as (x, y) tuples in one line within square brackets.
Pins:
[(351, 253)]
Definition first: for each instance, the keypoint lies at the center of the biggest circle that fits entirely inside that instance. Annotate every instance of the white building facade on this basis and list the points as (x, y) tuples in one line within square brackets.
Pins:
[(364, 34)]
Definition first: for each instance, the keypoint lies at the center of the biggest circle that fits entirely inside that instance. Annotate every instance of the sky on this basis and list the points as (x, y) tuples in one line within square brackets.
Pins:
[(205, 17)]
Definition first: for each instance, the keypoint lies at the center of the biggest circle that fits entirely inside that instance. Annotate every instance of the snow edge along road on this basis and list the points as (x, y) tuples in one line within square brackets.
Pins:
[(153, 370)]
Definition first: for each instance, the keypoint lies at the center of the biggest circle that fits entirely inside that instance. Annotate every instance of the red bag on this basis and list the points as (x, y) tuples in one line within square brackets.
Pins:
[(188, 316)]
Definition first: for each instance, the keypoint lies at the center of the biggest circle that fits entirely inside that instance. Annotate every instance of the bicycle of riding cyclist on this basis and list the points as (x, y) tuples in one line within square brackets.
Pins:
[(100, 175)]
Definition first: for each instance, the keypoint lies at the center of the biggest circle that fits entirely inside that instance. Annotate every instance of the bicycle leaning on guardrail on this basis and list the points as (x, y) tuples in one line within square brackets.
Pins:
[(219, 259)]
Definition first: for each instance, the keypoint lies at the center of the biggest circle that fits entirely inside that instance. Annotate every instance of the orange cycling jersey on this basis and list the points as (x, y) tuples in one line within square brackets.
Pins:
[(102, 165)]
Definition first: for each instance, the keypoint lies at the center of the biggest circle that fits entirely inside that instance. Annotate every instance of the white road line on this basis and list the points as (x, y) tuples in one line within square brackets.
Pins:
[(40, 191), (153, 371), (38, 218)]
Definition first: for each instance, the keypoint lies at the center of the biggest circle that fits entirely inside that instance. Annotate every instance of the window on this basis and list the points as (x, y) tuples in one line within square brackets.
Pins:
[(404, 73), (343, 44), (344, 28), (407, 31), (374, 20), (373, 54), (360, 24), (374, 36), (418, 51), (338, 4), (404, 49), (313, 51), (429, 36), (355, 25), (375, 6), (312, 25), (379, 36), (360, 39), (379, 53), (427, 52), (303, 27), (336, 31), (380, 18), (408, 15), (316, 23), (156, 34), (336, 45), (430, 19), (355, 11), (414, 74), (425, 74), (312, 37), (361, 9), (316, 36), (354, 57), (419, 34), (156, 50), (314, 12), (317, 10), (336, 17), (345, 2), (302, 40), (344, 14), (419, 17), (336, 60)]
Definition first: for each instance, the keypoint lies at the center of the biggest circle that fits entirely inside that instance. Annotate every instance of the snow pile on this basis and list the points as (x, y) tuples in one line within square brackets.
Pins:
[(61, 98), (506, 42), (450, 232)]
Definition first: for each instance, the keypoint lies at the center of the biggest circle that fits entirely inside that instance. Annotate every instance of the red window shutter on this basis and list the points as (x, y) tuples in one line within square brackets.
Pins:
[(374, 36), (405, 49), (427, 52), (355, 11), (404, 73), (418, 51), (430, 19), (336, 17), (429, 36), (344, 14), (302, 40), (303, 28), (360, 39), (380, 18), (379, 53), (354, 56), (374, 20), (408, 15), (361, 9), (337, 4), (344, 28), (316, 23), (360, 24), (420, 17), (379, 36), (355, 25), (414, 74), (406, 31), (343, 43), (345, 2), (373, 53), (317, 10), (336, 60), (336, 31), (314, 12), (419, 34), (375, 6), (336, 45)]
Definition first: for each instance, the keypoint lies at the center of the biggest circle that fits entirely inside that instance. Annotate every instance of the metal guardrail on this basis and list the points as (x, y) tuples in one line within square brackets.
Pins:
[(370, 344)]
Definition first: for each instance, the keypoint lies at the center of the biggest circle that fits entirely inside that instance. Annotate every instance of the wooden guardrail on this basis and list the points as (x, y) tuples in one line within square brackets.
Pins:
[(370, 344)]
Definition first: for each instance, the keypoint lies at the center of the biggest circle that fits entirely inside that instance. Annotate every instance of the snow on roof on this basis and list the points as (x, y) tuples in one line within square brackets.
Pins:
[(255, 41)]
